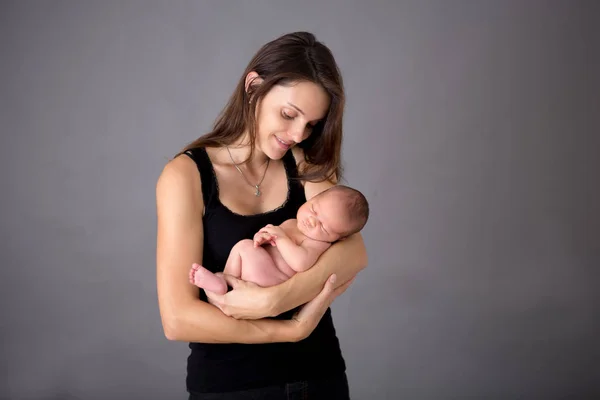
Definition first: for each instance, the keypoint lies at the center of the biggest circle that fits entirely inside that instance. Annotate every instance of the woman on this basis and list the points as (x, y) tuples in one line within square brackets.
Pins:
[(276, 144)]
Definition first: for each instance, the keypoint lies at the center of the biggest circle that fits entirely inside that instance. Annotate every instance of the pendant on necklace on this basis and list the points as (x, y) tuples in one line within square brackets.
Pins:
[(257, 193)]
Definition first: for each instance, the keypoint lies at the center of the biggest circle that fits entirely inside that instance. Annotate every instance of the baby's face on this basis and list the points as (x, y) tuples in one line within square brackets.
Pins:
[(322, 218)]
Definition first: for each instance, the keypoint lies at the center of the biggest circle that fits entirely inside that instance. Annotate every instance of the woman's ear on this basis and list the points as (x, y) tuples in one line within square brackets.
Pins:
[(252, 79)]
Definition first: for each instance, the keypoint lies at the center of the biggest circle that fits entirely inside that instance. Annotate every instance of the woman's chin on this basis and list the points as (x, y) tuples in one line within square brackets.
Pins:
[(275, 150)]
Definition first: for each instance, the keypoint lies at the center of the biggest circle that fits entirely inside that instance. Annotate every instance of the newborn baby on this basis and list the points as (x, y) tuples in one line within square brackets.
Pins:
[(295, 245)]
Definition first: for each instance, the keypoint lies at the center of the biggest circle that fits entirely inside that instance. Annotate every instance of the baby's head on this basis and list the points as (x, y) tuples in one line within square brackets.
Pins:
[(333, 214)]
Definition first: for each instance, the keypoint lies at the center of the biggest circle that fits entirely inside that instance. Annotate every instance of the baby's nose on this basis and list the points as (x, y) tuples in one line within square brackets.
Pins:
[(311, 221)]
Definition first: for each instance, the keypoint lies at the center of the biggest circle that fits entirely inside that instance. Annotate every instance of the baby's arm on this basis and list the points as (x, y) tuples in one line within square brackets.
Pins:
[(299, 257)]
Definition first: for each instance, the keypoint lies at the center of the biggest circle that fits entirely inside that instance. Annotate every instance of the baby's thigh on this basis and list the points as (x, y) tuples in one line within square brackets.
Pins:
[(258, 265)]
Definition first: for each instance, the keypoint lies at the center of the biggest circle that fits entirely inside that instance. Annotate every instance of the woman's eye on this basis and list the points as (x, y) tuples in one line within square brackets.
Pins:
[(286, 116)]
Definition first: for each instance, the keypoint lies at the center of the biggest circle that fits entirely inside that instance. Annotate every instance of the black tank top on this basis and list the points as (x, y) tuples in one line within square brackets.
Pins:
[(229, 367)]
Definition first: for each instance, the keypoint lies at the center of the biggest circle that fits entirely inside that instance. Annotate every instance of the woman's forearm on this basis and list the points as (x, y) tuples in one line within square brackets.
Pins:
[(201, 322), (345, 258)]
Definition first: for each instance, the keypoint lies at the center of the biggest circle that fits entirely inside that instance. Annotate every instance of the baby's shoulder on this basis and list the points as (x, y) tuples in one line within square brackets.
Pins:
[(289, 225)]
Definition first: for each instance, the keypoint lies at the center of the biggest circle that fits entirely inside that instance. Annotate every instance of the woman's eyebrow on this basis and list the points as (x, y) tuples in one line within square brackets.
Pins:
[(302, 112), (296, 107)]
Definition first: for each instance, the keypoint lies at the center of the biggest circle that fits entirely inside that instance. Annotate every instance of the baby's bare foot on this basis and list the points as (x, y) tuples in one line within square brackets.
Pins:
[(205, 279), (192, 273)]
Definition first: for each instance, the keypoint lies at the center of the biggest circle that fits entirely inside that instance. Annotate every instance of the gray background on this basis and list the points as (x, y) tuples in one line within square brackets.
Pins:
[(472, 127)]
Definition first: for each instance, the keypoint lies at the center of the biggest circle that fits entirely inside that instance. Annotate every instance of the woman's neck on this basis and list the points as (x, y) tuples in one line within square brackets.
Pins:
[(240, 151)]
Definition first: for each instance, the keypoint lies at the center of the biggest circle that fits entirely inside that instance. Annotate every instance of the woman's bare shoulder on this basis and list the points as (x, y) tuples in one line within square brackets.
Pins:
[(179, 181)]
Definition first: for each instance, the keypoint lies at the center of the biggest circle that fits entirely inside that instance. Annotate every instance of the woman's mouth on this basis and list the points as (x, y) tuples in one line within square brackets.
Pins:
[(284, 145)]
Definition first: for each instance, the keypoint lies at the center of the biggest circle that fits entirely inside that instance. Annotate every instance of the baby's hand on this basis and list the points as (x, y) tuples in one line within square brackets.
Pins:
[(263, 237), (274, 231)]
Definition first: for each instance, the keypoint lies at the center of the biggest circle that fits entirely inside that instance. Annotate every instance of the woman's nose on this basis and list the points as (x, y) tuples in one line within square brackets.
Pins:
[(297, 133)]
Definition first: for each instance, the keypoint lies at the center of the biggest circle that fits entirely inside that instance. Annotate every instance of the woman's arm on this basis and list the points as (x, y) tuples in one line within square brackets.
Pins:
[(179, 244)]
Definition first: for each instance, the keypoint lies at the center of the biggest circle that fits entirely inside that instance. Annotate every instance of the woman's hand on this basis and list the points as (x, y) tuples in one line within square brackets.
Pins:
[(308, 317), (247, 300)]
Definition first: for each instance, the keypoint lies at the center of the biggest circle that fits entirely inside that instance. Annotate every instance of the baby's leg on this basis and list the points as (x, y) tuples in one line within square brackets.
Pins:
[(233, 266), (253, 264), (243, 251), (205, 279)]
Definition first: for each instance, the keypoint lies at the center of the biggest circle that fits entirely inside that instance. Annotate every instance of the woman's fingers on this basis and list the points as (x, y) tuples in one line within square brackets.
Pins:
[(233, 281), (311, 313), (317, 306), (343, 287), (326, 295), (330, 292)]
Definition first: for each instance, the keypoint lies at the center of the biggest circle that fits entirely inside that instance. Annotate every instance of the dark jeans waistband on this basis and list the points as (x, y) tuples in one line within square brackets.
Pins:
[(335, 388)]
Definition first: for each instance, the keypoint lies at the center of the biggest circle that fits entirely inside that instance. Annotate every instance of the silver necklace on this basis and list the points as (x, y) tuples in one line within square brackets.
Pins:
[(257, 186)]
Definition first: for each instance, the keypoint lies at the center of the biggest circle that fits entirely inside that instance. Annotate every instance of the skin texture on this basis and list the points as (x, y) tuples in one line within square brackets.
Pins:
[(239, 315)]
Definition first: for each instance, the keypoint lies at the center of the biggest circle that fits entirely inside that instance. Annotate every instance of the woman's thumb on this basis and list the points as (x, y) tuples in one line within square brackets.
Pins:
[(232, 281), (332, 279), (329, 285)]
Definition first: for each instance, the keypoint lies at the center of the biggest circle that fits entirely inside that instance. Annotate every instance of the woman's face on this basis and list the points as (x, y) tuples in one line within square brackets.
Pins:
[(287, 114)]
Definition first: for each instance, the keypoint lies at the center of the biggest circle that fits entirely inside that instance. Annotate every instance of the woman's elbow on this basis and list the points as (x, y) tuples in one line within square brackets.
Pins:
[(170, 328), (364, 260), (172, 325), (361, 256)]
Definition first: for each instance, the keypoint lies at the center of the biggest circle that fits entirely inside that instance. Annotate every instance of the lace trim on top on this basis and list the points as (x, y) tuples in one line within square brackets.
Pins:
[(218, 200)]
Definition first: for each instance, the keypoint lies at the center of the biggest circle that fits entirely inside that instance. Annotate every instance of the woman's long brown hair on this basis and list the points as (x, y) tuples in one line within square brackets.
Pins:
[(290, 58)]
